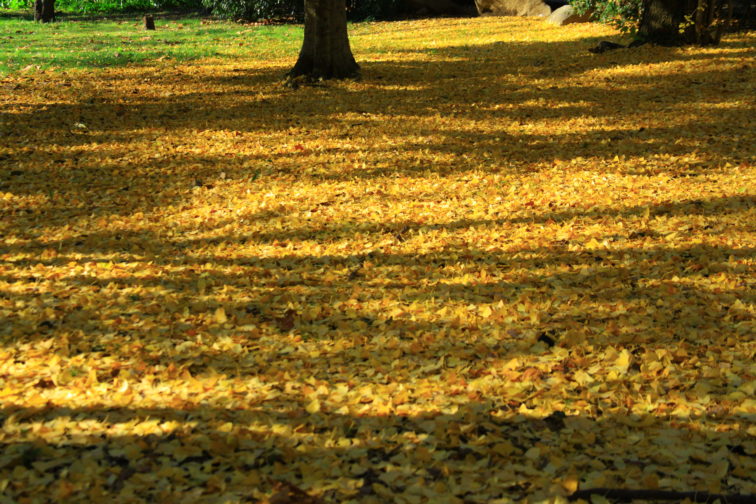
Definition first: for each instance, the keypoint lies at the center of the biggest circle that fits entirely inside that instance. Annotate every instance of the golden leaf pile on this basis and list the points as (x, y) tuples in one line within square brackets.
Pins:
[(499, 268)]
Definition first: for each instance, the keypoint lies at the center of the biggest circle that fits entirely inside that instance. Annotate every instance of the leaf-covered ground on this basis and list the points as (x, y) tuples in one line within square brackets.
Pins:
[(498, 268)]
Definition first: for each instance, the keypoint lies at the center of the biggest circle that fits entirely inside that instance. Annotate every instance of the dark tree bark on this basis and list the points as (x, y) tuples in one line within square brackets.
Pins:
[(325, 51), (44, 11), (677, 22), (149, 22), (661, 20)]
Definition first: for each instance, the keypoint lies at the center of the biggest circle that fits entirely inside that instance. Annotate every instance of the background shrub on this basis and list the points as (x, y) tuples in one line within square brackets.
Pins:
[(104, 6), (360, 10), (15, 4), (237, 10), (622, 14), (254, 10)]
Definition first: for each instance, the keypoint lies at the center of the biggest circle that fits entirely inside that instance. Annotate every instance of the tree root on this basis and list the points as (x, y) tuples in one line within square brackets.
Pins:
[(605, 45)]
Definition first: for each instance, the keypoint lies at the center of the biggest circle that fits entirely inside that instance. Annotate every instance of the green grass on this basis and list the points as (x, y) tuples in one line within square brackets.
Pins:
[(88, 44)]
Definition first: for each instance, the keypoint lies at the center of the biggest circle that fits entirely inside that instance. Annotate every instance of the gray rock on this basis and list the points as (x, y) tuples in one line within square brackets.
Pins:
[(567, 15), (513, 7)]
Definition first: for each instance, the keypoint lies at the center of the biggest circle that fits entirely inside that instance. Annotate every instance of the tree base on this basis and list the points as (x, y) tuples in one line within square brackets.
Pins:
[(309, 74), (292, 81), (325, 52)]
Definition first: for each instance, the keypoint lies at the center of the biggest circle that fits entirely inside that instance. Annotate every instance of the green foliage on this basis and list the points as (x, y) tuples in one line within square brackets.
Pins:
[(125, 5), (248, 10), (104, 6), (622, 14), (361, 10), (15, 4), (254, 10)]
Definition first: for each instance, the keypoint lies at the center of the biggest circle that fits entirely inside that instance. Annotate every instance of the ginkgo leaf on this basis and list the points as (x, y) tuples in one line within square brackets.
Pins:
[(623, 361), (220, 316)]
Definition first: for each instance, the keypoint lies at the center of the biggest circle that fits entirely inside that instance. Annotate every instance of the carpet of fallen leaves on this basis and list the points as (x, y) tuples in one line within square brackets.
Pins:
[(498, 268)]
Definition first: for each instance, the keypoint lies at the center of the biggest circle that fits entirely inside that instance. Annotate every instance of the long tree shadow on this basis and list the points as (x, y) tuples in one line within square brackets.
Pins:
[(62, 163), (626, 292), (478, 452)]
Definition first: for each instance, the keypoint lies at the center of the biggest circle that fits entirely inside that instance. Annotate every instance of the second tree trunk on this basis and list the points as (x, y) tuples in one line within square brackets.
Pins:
[(676, 22), (44, 10)]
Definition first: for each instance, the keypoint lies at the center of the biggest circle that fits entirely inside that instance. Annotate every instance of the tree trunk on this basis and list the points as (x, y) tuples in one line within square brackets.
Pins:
[(661, 20), (325, 51), (677, 22), (44, 11)]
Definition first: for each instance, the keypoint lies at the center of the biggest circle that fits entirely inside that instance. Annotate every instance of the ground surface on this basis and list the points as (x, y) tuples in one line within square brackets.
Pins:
[(497, 268)]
